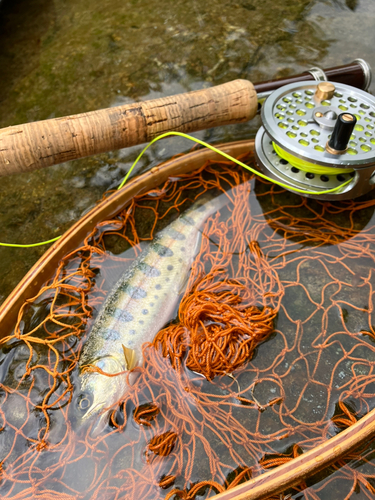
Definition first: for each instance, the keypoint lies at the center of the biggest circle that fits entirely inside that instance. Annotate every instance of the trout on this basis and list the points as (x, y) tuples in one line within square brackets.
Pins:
[(140, 304)]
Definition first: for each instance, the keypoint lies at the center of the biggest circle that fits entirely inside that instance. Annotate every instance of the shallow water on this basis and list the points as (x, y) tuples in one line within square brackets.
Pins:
[(60, 57), (287, 395)]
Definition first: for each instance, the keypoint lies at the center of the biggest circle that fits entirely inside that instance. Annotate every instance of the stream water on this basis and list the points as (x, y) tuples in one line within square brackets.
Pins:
[(62, 57)]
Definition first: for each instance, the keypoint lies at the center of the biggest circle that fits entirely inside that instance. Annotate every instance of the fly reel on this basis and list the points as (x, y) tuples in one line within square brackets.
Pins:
[(319, 137)]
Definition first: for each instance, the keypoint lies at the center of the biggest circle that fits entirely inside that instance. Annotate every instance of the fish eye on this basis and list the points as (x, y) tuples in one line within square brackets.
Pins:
[(84, 402)]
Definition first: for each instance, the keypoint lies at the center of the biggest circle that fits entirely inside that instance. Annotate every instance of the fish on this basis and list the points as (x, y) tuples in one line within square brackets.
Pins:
[(139, 305)]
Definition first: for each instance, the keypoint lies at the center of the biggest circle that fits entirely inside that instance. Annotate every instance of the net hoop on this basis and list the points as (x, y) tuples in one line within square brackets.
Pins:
[(261, 487)]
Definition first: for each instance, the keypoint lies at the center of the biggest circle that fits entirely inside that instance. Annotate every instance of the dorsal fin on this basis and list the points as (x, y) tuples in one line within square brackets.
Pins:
[(130, 359)]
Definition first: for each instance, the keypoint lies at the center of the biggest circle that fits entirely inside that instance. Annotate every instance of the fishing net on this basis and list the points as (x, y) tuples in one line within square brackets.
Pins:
[(270, 353)]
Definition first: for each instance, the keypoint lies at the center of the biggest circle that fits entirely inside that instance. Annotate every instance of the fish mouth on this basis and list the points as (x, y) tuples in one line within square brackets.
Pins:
[(92, 424), (97, 419), (97, 428)]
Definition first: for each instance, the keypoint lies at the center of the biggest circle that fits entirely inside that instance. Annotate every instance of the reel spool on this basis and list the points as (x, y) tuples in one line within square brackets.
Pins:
[(318, 137)]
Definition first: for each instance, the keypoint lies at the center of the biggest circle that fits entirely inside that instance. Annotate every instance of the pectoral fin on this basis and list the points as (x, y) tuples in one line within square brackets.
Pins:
[(130, 358)]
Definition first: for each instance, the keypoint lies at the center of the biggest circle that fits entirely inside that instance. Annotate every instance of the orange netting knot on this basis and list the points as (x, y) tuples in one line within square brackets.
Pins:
[(270, 461), (345, 418), (144, 414), (163, 444), (238, 476), (42, 445), (166, 481)]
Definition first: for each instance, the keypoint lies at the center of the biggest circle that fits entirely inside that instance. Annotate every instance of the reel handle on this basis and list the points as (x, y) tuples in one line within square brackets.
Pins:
[(35, 145)]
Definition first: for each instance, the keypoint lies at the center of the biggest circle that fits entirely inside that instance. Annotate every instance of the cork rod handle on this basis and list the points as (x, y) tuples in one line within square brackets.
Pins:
[(41, 144)]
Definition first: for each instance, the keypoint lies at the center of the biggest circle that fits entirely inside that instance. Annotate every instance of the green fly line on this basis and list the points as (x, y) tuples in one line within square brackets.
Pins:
[(16, 245), (225, 155), (306, 166)]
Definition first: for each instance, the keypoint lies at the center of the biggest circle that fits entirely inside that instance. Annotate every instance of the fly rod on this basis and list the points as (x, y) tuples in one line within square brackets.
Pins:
[(35, 145)]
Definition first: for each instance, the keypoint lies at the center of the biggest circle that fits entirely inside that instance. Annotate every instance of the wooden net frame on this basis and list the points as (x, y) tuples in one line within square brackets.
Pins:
[(233, 301)]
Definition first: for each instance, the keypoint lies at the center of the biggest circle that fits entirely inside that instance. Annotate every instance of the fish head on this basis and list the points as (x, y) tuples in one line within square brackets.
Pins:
[(97, 395)]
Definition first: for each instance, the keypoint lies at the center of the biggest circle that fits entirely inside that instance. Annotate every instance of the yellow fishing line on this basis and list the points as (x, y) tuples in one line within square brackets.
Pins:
[(206, 145), (31, 245), (234, 160), (307, 166)]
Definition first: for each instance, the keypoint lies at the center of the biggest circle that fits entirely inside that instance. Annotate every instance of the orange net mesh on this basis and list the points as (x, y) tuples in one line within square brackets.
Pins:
[(271, 353)]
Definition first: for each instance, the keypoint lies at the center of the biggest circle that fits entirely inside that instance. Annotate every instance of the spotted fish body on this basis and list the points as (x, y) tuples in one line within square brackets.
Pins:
[(136, 309)]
